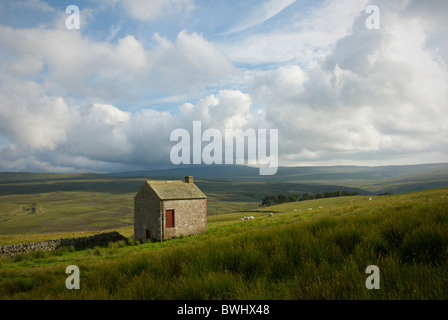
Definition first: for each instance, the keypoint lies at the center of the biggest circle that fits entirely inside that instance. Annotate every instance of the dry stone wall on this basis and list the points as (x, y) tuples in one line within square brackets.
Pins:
[(49, 245)]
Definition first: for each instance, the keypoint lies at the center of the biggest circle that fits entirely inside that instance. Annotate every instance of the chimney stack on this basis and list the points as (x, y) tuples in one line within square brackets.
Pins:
[(189, 179)]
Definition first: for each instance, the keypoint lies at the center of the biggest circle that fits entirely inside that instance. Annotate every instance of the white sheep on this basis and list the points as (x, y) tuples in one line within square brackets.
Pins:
[(271, 214)]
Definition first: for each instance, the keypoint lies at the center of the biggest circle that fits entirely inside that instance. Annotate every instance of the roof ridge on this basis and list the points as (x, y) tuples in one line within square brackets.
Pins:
[(175, 189)]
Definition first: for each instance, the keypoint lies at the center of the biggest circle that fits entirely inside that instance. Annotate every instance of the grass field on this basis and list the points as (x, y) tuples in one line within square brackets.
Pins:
[(297, 253), (33, 203)]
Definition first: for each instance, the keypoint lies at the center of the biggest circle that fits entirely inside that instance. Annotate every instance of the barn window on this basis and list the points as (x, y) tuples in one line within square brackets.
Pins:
[(170, 218)]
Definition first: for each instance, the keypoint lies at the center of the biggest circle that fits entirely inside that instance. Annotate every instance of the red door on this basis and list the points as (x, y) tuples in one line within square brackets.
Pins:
[(169, 218)]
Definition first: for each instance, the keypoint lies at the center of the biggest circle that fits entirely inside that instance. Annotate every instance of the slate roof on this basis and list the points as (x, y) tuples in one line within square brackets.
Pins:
[(175, 190)]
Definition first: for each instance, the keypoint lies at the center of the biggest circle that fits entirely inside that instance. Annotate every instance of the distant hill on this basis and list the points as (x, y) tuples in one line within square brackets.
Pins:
[(90, 202), (198, 171), (377, 179)]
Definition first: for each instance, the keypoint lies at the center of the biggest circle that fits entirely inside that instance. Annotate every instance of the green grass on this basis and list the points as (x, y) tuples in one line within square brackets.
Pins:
[(64, 211), (303, 254), (35, 203)]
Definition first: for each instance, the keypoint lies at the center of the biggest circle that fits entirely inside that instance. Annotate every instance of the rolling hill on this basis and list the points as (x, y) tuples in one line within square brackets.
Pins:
[(92, 202), (297, 253)]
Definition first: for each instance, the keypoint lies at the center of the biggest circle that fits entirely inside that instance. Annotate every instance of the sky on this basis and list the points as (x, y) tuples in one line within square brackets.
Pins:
[(107, 96)]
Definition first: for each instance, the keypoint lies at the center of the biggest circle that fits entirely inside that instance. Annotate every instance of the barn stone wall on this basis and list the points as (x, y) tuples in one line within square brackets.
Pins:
[(147, 215), (50, 245), (150, 215), (190, 217)]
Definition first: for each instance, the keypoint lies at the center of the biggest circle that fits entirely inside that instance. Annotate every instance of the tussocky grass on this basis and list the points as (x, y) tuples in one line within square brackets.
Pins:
[(309, 254)]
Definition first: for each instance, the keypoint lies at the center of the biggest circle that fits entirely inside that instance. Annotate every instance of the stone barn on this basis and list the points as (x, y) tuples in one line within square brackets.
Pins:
[(165, 209)]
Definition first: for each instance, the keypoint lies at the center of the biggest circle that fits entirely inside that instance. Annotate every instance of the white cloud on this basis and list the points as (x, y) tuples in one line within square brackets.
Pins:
[(339, 93), (77, 65), (379, 94), (228, 109), (190, 61), (31, 118), (156, 9), (108, 114), (304, 38), (284, 85), (73, 62), (264, 12), (102, 137)]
